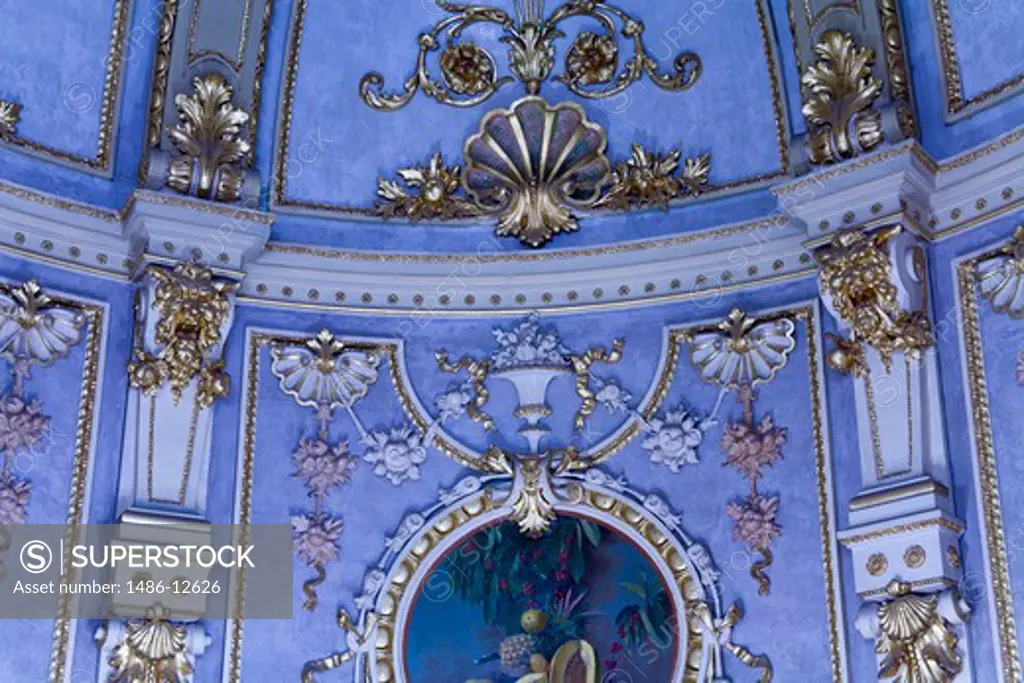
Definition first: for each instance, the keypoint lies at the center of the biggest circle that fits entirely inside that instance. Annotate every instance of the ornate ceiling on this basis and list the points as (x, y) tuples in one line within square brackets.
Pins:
[(333, 116)]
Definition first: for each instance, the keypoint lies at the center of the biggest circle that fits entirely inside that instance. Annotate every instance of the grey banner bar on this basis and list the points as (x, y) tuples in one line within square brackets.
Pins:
[(136, 569)]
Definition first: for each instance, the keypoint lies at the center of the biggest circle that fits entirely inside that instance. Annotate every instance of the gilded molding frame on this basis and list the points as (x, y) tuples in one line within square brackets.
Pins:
[(956, 104), (103, 163), (61, 649), (279, 200), (985, 465), (807, 312)]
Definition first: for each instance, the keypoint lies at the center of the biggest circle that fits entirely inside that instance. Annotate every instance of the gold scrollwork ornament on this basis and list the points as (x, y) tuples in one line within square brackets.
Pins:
[(839, 93), (469, 73)]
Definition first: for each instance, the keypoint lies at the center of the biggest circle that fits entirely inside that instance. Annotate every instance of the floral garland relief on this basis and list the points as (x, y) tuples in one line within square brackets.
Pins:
[(33, 330), (738, 354), (750, 447), (324, 374)]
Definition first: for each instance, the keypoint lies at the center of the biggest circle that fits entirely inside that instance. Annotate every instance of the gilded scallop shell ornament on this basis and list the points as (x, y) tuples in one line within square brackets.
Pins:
[(742, 350), (1001, 278), (532, 164), (324, 372)]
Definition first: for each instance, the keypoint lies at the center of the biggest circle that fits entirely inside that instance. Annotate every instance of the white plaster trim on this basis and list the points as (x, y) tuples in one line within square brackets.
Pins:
[(897, 184)]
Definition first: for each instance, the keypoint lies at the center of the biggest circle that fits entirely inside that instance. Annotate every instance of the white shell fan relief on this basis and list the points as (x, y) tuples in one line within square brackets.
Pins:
[(324, 371), (1001, 278), (33, 329), (742, 350)]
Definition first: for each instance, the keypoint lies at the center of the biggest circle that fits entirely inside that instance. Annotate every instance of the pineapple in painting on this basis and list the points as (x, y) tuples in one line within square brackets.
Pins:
[(569, 607)]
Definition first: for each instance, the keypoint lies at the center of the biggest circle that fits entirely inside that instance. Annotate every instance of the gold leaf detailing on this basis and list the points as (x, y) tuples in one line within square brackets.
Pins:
[(647, 179), (899, 81), (469, 73), (592, 59), (209, 138), (857, 274), (532, 164), (192, 308), (467, 68), (434, 194), (10, 114), (581, 368), (917, 644), (839, 91), (531, 508), (478, 372), (154, 650), (1001, 277)]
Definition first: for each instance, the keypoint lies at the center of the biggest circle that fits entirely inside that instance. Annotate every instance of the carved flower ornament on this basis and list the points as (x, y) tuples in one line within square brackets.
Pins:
[(674, 439), (467, 69), (396, 454)]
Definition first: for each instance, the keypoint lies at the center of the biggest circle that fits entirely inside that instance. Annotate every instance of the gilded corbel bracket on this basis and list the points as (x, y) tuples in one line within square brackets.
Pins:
[(192, 308), (856, 273), (854, 77)]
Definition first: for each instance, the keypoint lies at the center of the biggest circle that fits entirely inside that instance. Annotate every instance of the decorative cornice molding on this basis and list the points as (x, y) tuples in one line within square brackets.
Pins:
[(897, 184)]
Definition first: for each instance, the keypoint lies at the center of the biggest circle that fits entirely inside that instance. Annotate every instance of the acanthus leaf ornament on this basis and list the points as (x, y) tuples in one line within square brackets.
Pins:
[(839, 93), (532, 164), (857, 274), (651, 179), (153, 650), (209, 137), (433, 193), (469, 73), (917, 643), (10, 114)]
